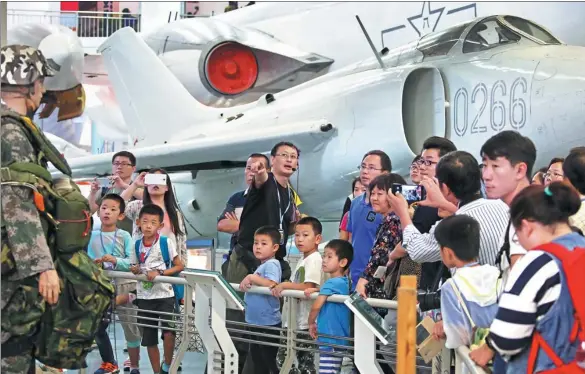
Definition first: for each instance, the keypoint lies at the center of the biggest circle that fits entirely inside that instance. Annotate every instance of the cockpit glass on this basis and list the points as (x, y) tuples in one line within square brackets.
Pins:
[(532, 29), (440, 43), (488, 34)]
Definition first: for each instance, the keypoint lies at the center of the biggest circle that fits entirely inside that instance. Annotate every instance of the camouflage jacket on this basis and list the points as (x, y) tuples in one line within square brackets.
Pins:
[(22, 231)]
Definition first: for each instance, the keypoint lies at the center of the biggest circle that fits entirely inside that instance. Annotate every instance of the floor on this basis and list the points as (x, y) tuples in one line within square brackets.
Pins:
[(193, 363)]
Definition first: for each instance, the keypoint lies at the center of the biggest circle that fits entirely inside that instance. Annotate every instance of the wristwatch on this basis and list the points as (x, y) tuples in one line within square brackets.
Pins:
[(160, 272)]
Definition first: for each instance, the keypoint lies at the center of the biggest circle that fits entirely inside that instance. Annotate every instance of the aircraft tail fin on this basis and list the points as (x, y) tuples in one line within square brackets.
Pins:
[(154, 103)]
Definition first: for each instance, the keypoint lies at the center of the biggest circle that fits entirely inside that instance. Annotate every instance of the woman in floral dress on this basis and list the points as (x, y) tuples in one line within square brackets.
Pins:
[(388, 236)]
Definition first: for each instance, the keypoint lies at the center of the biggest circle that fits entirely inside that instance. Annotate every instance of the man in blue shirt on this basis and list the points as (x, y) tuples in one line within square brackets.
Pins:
[(362, 220)]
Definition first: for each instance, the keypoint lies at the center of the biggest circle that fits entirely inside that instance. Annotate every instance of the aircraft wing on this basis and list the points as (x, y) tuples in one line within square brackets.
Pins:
[(219, 151)]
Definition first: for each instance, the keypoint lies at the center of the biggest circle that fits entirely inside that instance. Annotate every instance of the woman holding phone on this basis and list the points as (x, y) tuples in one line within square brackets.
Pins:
[(379, 281), (158, 190)]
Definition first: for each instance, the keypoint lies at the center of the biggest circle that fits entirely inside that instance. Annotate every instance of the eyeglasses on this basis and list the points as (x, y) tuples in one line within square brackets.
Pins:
[(368, 168), (123, 164), (413, 167), (287, 156), (554, 175), (425, 162)]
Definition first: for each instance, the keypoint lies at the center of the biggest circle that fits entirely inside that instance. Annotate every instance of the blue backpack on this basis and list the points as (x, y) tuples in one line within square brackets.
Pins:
[(179, 289)]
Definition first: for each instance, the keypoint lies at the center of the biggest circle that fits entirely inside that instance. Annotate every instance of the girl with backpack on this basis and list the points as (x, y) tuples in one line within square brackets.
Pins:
[(539, 326)]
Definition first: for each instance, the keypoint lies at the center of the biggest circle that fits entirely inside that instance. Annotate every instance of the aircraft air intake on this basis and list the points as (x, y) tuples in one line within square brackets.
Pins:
[(231, 68), (423, 107)]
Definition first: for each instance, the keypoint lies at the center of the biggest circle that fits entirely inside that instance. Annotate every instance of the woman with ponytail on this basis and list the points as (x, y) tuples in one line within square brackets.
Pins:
[(535, 323)]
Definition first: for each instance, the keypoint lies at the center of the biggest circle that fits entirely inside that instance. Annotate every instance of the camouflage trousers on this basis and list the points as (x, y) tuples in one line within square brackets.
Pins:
[(22, 364), (22, 308), (305, 359)]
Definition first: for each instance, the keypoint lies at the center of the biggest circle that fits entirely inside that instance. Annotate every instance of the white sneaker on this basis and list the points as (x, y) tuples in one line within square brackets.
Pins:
[(127, 364)]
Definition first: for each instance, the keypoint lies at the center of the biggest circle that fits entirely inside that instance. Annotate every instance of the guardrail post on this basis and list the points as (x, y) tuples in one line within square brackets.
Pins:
[(364, 348), (406, 330), (202, 315), (290, 335), (218, 327), (186, 339)]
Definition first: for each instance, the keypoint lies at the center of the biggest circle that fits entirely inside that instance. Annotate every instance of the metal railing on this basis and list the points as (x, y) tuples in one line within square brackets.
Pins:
[(287, 338), (85, 24)]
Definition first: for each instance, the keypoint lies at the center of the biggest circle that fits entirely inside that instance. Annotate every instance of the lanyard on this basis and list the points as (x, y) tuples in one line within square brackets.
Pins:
[(280, 213), (142, 258), (113, 242)]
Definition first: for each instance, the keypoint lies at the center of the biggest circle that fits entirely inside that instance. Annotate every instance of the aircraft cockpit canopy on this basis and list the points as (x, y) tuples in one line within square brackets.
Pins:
[(532, 29), (440, 43), (488, 33), (492, 32)]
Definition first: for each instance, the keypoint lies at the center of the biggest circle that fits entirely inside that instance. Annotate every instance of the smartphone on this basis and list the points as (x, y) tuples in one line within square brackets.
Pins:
[(412, 193), (104, 182), (380, 272), (155, 179)]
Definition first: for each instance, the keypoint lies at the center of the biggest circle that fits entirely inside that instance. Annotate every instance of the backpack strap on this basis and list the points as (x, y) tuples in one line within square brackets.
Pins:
[(462, 302), (164, 250), (45, 149), (565, 257), (505, 250), (137, 249)]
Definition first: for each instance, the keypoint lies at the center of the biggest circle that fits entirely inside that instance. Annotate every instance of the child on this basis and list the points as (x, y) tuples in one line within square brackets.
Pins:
[(264, 310), (332, 318), (111, 247), (307, 275), (468, 299), (155, 297)]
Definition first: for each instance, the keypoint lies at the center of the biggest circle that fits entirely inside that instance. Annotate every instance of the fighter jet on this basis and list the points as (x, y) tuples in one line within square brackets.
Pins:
[(236, 57), (466, 82)]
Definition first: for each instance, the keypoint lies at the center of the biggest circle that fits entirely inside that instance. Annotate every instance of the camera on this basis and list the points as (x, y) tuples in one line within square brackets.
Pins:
[(429, 300)]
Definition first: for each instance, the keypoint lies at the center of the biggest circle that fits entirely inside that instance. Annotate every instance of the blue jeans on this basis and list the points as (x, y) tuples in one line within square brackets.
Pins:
[(500, 365)]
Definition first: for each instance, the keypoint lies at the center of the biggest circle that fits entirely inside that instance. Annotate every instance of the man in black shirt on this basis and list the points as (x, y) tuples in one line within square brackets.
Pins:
[(269, 201)]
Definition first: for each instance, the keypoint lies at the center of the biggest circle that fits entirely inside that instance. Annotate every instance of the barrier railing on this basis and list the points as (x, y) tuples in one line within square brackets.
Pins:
[(206, 317), (86, 24)]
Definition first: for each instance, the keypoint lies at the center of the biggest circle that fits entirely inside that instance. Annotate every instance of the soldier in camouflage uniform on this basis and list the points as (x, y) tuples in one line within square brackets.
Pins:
[(29, 279)]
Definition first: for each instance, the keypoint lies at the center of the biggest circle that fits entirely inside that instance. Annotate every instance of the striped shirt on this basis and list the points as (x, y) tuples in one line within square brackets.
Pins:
[(492, 216), (534, 284)]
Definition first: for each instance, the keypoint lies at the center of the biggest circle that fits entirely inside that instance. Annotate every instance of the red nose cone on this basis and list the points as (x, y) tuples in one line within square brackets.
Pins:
[(231, 68)]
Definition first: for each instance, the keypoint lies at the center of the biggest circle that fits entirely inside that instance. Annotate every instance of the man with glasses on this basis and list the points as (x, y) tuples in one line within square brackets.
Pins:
[(363, 222), (270, 201), (425, 217), (123, 166), (415, 177)]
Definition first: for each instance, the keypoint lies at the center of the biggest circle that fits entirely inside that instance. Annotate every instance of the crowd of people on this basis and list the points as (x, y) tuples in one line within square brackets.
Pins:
[(489, 245)]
